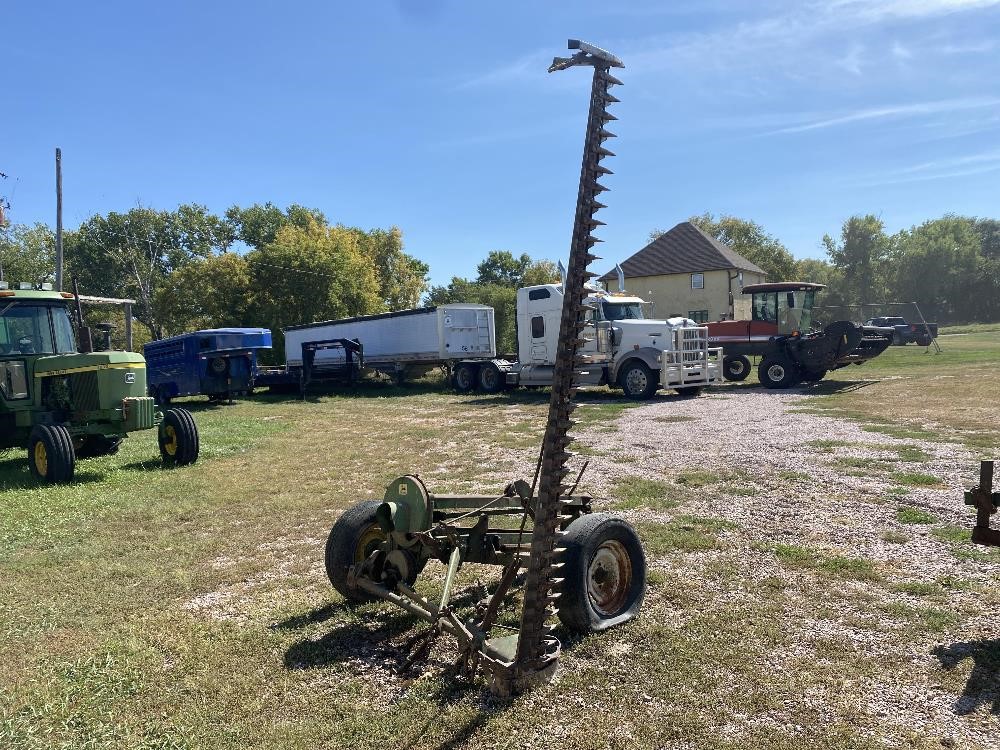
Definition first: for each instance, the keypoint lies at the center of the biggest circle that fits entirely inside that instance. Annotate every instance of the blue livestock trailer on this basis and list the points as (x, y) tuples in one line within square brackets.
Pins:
[(219, 363)]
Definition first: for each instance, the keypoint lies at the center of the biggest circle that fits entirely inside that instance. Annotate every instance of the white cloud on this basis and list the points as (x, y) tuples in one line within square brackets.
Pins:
[(939, 169), (902, 110)]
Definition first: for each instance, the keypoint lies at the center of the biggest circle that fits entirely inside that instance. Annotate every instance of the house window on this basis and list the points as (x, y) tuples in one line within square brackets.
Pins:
[(697, 281), (698, 316)]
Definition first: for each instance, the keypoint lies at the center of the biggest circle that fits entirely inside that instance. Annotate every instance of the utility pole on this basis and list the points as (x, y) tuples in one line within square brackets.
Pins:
[(59, 246)]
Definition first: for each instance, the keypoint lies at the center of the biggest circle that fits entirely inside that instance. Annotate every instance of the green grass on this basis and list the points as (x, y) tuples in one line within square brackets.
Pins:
[(895, 537), (684, 534), (916, 479), (822, 563), (635, 492), (699, 478), (910, 515)]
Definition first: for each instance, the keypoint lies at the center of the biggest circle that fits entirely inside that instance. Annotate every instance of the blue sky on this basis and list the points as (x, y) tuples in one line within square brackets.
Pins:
[(439, 116)]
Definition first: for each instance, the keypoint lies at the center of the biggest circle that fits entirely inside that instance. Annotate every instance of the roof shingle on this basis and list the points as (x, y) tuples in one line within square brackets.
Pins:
[(684, 249)]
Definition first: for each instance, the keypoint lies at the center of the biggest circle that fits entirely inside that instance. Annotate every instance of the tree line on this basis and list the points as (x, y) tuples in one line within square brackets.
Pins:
[(273, 267), (949, 266)]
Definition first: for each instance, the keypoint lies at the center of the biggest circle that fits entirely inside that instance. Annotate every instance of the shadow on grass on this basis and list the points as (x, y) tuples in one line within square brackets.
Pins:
[(362, 637), (14, 474), (983, 685)]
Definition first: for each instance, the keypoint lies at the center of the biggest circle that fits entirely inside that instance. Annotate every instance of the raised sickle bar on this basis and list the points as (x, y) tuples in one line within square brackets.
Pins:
[(537, 650), (986, 502)]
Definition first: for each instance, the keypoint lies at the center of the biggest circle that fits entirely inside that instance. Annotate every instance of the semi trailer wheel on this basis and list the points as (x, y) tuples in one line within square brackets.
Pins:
[(178, 438), (637, 380), (464, 379), (604, 576), (692, 391), (736, 367), (491, 380), (50, 453), (353, 538), (777, 372)]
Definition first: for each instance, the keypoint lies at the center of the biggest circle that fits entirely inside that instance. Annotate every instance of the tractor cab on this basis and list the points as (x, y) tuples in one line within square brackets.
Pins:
[(785, 307)]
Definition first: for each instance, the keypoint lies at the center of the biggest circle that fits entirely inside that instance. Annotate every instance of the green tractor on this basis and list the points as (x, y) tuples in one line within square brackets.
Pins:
[(62, 404)]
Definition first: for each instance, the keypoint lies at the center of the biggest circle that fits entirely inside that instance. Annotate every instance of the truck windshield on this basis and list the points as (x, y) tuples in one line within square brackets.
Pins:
[(35, 329), (622, 310)]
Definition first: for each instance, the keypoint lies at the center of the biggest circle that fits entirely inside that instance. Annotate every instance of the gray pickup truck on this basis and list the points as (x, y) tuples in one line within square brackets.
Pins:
[(907, 333)]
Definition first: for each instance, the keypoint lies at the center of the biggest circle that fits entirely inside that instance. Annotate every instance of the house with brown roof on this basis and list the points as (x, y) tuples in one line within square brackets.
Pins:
[(688, 272)]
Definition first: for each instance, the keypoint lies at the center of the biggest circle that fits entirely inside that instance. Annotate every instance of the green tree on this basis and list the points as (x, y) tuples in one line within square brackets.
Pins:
[(938, 265), (402, 278), (211, 292), (259, 224), (501, 268), (861, 256), (132, 254), (750, 240), (310, 274), (27, 253)]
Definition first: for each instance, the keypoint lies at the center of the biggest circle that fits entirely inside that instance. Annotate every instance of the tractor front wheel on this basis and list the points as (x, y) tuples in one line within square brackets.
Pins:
[(604, 576), (736, 367), (50, 453), (178, 438), (777, 372)]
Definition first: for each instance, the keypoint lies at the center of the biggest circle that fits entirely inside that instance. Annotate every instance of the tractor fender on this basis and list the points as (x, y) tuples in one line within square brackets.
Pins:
[(649, 355), (406, 507)]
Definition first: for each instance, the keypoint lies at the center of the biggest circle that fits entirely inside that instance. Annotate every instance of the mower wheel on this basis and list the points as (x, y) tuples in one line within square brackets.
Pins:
[(353, 538), (50, 453), (637, 380), (736, 367), (604, 576), (94, 446), (491, 380), (178, 438), (777, 372), (464, 379)]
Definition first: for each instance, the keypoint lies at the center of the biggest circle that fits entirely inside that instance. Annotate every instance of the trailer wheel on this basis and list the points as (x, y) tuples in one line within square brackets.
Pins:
[(637, 380), (604, 573), (491, 380), (178, 438), (218, 365), (736, 367), (777, 372), (464, 379), (692, 391), (50, 453), (353, 538)]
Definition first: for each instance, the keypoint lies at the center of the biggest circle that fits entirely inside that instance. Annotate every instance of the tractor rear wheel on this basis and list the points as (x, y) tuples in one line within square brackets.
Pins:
[(491, 380), (178, 438), (736, 367), (604, 576), (777, 372), (464, 379), (50, 453), (637, 380)]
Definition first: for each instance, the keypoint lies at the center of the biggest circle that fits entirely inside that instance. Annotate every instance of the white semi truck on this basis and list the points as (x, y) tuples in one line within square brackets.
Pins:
[(625, 349)]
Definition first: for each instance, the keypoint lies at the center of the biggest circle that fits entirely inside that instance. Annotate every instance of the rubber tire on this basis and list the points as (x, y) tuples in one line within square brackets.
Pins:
[(692, 391), (187, 437), (341, 546), (740, 361), (651, 381), (582, 539), (790, 378), (60, 456), (491, 380), (465, 378), (95, 446), (218, 366), (897, 340), (924, 341)]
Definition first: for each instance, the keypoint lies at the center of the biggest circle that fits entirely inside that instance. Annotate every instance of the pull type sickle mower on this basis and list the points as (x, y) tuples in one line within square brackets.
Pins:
[(589, 568)]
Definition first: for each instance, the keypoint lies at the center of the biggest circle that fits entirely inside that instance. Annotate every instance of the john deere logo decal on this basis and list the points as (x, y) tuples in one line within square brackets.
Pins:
[(129, 377)]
